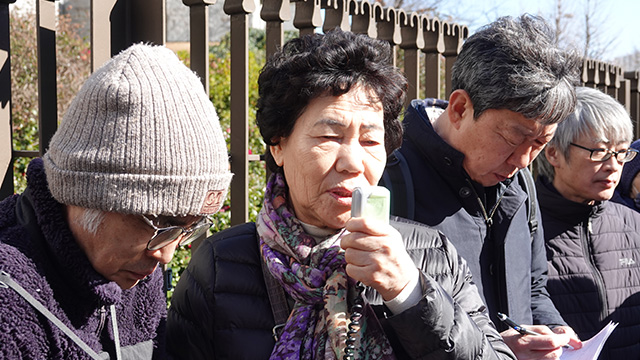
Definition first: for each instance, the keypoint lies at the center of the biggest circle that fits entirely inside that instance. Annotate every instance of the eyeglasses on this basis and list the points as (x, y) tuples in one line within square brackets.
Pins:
[(164, 236), (622, 156)]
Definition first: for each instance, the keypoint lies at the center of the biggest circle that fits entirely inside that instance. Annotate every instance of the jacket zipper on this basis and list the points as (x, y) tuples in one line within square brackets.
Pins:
[(503, 302), (103, 320), (597, 275)]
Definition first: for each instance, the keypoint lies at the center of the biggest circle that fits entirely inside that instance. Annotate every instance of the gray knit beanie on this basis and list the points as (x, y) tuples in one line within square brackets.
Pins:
[(140, 137)]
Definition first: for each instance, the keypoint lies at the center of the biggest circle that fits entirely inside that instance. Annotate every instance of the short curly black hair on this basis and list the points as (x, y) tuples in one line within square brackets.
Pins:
[(327, 64)]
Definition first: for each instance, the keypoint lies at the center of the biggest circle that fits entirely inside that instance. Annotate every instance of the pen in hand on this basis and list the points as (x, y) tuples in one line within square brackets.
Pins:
[(521, 329)]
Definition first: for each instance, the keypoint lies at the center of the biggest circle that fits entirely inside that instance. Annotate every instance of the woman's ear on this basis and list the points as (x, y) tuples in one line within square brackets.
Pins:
[(276, 153), (459, 107)]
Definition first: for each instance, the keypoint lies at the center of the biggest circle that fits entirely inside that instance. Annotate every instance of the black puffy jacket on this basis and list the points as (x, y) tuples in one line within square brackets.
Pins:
[(594, 268), (220, 307)]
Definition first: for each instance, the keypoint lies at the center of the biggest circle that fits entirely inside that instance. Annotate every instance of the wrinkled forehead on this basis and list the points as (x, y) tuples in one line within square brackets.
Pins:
[(529, 128)]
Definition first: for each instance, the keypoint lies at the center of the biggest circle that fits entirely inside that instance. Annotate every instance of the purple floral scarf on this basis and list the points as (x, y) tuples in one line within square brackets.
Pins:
[(314, 275)]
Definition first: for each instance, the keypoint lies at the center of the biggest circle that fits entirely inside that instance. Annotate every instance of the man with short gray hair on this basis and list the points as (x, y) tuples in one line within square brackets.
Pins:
[(137, 165), (462, 169)]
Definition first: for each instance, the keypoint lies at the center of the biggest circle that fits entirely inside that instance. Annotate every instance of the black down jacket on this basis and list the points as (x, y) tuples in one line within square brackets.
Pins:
[(220, 307), (594, 268)]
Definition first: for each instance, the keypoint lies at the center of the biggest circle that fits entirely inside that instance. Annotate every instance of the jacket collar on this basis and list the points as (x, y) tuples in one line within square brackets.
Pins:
[(419, 131), (63, 251), (557, 206)]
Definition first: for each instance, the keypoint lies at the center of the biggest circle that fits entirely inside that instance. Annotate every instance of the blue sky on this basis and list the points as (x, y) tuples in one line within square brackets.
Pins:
[(620, 19)]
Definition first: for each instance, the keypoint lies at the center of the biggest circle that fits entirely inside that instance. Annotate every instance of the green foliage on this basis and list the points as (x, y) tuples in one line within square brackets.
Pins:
[(23, 84), (220, 95), (73, 67)]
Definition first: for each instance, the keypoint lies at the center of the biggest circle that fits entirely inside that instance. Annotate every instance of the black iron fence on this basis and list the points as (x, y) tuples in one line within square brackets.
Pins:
[(429, 47)]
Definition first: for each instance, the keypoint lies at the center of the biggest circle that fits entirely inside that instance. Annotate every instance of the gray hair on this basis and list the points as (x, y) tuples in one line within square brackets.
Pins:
[(90, 220), (598, 116), (514, 64)]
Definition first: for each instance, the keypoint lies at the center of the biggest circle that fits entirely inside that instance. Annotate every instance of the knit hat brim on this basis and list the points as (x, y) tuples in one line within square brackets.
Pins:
[(138, 193), (141, 137)]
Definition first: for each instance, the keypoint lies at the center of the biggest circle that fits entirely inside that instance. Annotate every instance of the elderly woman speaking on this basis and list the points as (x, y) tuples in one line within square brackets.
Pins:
[(288, 287)]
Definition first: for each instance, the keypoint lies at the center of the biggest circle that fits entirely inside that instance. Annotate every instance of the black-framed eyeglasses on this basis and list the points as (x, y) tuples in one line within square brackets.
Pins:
[(164, 236), (622, 156)]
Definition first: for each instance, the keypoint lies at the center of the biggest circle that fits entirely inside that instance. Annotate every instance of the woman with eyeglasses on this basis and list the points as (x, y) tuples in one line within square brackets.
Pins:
[(289, 286), (593, 245)]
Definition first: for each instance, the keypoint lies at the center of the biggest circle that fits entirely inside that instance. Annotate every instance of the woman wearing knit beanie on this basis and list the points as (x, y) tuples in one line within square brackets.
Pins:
[(628, 189), (138, 163)]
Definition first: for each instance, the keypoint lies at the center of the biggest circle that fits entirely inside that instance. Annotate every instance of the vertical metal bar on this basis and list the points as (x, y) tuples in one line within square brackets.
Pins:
[(275, 37), (610, 87), (448, 66), (604, 77), (433, 75), (337, 15), (199, 45), (634, 102), (47, 92), (307, 16), (120, 26), (388, 28), (363, 18), (412, 42), (599, 79), (239, 10), (6, 148), (274, 13), (412, 71), (239, 118), (275, 40), (624, 97), (148, 21), (616, 76), (100, 32), (590, 75), (454, 36), (116, 24), (433, 48)]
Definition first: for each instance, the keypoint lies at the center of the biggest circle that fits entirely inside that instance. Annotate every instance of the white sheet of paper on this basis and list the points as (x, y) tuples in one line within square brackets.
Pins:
[(590, 348)]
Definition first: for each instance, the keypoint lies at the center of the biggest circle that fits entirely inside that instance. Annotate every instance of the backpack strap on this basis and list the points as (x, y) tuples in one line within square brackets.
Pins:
[(7, 282), (397, 178), (26, 217), (277, 300), (532, 198)]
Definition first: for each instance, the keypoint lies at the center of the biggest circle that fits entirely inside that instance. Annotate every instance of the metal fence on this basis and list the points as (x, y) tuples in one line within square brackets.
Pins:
[(429, 45)]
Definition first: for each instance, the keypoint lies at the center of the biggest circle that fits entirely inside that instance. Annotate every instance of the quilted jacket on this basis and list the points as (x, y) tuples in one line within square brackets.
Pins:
[(594, 268), (220, 308)]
